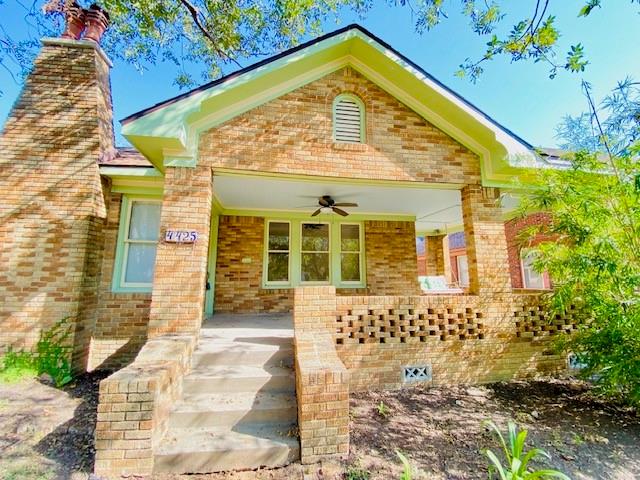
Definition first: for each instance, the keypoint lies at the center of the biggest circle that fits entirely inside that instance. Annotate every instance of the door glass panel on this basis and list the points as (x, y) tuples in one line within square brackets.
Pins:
[(315, 237), (314, 257), (350, 238), (350, 267), (315, 267)]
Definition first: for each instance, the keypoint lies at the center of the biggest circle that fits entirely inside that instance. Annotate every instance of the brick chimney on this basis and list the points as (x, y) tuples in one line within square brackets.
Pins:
[(51, 197)]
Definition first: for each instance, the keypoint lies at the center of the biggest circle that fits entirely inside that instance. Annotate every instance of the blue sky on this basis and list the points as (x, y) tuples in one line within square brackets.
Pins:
[(520, 95)]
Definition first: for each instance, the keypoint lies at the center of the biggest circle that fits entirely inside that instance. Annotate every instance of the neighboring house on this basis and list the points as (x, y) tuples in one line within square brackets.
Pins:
[(211, 212), (456, 271)]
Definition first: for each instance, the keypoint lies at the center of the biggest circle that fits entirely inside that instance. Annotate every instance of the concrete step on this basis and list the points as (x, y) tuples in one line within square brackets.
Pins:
[(236, 353), (239, 378), (203, 450), (230, 409)]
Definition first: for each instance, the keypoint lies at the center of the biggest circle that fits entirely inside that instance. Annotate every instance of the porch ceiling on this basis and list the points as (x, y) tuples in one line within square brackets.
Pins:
[(433, 209)]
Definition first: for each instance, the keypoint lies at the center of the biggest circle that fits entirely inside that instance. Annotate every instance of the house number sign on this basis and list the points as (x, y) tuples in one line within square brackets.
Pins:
[(181, 236)]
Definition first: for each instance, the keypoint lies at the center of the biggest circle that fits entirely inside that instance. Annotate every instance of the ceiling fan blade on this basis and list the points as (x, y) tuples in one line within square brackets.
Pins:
[(345, 204), (317, 212), (323, 201), (340, 211)]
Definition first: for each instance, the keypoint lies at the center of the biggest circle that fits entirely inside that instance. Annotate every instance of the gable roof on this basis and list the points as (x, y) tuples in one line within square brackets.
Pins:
[(167, 133)]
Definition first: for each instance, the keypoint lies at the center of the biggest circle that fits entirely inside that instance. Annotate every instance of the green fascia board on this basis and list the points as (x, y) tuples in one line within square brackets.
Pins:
[(134, 180), (169, 135)]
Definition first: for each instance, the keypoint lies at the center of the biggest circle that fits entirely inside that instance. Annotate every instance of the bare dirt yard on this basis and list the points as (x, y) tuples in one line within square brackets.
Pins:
[(47, 434)]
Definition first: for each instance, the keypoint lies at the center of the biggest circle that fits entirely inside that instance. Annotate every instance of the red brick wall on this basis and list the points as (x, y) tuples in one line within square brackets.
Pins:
[(513, 229)]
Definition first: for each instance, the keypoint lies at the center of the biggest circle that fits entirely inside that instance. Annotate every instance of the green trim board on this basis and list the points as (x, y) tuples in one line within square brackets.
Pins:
[(230, 172), (171, 130), (209, 303)]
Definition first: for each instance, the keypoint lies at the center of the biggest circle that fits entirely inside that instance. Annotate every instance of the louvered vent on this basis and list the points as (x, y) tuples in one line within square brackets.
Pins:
[(348, 121)]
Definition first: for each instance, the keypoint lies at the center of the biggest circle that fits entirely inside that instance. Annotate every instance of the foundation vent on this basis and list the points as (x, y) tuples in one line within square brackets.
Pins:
[(417, 373)]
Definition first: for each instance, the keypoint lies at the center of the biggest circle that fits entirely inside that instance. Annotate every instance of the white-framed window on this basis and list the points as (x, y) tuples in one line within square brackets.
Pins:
[(348, 119), (462, 261), (315, 253), (137, 244), (350, 253), (278, 270), (530, 278)]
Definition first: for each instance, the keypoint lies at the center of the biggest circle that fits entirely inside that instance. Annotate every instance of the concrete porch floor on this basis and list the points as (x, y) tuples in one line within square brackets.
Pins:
[(230, 325)]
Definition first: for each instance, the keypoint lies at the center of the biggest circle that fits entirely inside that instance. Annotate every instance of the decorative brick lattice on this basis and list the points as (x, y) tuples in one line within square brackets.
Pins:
[(532, 322), (408, 325)]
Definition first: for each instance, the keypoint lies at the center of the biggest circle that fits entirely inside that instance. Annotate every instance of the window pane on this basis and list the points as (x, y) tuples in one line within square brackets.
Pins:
[(350, 238), (278, 236), (315, 237), (463, 270), (315, 267), (350, 267), (141, 259), (532, 279), (278, 267), (145, 221)]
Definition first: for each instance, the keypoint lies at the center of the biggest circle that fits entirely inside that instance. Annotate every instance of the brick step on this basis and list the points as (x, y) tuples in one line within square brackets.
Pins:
[(239, 378), (203, 450), (233, 409), (238, 353)]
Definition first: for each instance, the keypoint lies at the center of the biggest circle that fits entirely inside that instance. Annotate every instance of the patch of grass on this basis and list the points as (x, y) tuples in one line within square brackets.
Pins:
[(26, 472), (15, 374), (577, 439), (356, 472)]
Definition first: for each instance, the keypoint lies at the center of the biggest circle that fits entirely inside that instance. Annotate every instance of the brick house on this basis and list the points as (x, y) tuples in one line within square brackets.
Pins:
[(211, 211)]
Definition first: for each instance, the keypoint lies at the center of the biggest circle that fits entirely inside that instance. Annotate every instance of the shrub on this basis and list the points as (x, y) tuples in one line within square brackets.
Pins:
[(51, 356)]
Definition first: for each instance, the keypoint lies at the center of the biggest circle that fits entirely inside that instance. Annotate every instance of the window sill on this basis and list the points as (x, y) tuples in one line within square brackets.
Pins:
[(118, 289)]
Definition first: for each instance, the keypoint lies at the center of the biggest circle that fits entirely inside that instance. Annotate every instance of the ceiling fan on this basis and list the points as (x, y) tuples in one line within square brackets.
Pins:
[(328, 205)]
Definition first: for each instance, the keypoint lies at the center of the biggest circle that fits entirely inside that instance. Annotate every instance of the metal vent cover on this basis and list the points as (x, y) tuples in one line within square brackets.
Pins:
[(417, 373), (348, 121)]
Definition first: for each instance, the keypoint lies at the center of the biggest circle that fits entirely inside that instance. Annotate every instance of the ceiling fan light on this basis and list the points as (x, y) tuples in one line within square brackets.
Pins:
[(326, 209)]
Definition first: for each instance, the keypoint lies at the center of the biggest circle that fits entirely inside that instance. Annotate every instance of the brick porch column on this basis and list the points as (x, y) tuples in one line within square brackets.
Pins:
[(486, 242), (446, 259), (177, 301), (435, 254)]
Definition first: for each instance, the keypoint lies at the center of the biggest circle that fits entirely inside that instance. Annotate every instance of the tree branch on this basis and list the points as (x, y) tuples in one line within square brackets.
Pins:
[(193, 11)]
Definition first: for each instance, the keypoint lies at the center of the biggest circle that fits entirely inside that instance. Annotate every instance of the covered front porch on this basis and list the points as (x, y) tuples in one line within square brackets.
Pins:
[(265, 240)]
